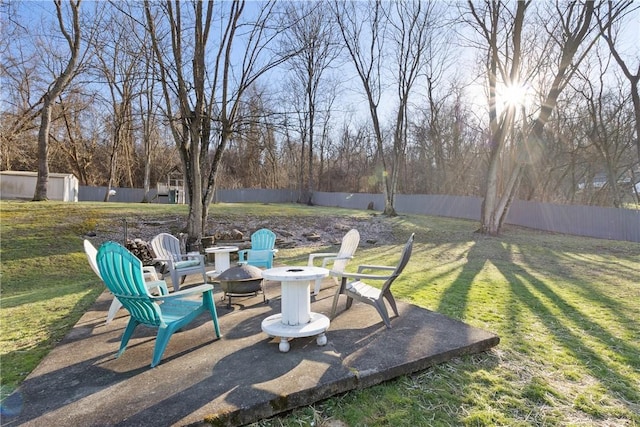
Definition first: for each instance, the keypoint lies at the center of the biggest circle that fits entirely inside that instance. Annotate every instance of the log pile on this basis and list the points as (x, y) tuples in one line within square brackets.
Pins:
[(312, 236), (233, 235), (142, 250), (281, 244)]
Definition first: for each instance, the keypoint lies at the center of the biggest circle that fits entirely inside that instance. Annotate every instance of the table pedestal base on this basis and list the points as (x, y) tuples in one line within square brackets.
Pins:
[(274, 327), (222, 258)]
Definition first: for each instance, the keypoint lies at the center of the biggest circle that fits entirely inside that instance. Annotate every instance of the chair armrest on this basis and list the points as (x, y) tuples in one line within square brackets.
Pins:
[(328, 260), (200, 289), (334, 258), (358, 276), (160, 284), (192, 256), (374, 267), (167, 260), (150, 271), (312, 257)]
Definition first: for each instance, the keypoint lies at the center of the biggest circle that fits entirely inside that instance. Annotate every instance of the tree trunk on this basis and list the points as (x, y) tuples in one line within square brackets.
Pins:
[(60, 83), (43, 151), (311, 132), (635, 97), (490, 214), (494, 207)]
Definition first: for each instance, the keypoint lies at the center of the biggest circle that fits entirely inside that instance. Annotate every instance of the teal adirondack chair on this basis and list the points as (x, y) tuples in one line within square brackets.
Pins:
[(149, 273), (121, 271), (262, 249)]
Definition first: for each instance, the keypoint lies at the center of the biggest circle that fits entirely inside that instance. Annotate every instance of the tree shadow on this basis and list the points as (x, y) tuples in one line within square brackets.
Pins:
[(529, 298)]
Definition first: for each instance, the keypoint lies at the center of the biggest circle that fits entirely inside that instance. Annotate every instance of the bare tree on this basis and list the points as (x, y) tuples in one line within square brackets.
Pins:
[(73, 38), (119, 55), (312, 34), (148, 114), (20, 87), (362, 28), (447, 150), (204, 81), (609, 127), (249, 156), (136, 80), (570, 33), (352, 161), (397, 37), (73, 144), (612, 13), (414, 39)]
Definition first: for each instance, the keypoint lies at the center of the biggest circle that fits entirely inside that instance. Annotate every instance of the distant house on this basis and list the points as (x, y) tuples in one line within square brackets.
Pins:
[(22, 185), (600, 180)]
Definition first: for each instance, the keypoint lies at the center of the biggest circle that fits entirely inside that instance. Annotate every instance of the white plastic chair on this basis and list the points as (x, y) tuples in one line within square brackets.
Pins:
[(149, 273), (340, 259), (167, 250)]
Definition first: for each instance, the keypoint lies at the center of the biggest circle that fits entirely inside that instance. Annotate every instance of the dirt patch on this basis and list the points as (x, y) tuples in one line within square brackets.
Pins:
[(307, 231)]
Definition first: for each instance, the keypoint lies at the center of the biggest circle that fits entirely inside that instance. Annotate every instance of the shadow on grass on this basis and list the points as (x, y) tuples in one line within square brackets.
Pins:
[(560, 310)]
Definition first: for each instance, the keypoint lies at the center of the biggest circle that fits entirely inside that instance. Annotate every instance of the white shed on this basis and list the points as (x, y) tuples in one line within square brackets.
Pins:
[(22, 185)]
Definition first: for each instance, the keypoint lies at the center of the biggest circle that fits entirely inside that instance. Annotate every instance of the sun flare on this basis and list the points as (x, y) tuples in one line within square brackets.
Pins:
[(513, 95)]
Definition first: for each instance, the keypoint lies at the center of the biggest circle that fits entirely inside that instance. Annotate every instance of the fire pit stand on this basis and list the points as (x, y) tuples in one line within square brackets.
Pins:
[(241, 281)]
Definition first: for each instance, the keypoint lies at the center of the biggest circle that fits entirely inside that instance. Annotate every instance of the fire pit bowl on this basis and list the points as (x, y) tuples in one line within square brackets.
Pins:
[(241, 281)]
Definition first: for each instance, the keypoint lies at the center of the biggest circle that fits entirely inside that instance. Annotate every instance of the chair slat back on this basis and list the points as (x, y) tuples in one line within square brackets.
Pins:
[(92, 254), (263, 239), (404, 259), (121, 271), (166, 246), (259, 255), (348, 247)]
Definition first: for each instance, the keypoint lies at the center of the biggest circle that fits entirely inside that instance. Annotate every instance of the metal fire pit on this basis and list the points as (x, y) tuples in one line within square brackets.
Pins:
[(241, 281)]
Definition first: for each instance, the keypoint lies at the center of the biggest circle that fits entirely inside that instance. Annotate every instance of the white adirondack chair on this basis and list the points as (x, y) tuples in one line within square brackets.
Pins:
[(338, 260)]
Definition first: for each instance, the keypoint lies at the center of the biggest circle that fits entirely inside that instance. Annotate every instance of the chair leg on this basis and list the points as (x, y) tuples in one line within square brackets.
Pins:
[(126, 336), (382, 310), (113, 309), (392, 302), (343, 284), (349, 302), (174, 280), (264, 294), (207, 301), (317, 288), (162, 339)]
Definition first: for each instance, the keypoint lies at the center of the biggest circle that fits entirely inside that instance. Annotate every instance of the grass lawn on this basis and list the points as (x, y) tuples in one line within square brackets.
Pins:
[(567, 310)]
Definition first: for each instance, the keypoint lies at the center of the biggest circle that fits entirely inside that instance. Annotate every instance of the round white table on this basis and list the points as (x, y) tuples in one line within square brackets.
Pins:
[(296, 319), (221, 257)]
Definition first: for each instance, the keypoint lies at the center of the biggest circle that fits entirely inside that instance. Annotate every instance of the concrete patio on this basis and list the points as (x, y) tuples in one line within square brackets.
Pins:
[(238, 379)]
